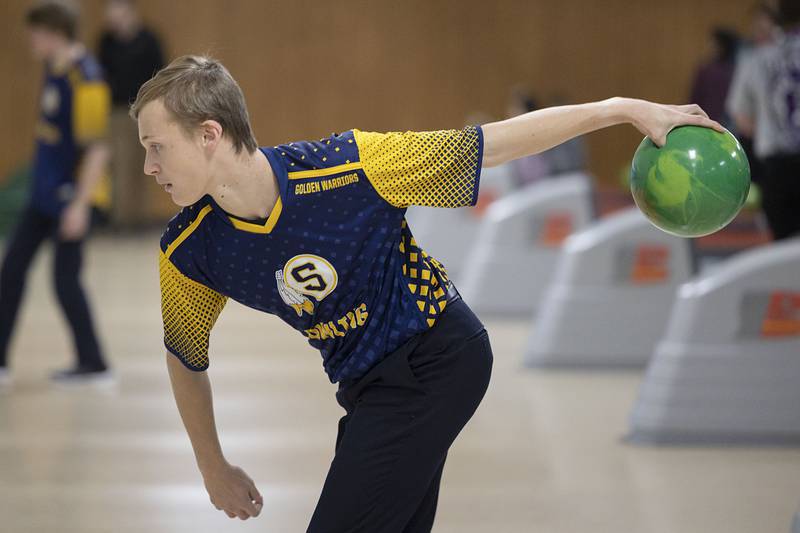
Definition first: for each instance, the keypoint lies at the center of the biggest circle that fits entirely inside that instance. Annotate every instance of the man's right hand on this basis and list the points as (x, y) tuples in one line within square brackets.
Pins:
[(232, 491)]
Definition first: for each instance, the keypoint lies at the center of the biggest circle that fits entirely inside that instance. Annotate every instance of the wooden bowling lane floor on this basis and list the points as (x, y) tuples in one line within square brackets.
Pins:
[(543, 453)]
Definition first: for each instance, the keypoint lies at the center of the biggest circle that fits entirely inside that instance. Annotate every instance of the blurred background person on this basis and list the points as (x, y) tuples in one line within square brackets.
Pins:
[(765, 103), (130, 54), (69, 160), (763, 31), (763, 28), (712, 80)]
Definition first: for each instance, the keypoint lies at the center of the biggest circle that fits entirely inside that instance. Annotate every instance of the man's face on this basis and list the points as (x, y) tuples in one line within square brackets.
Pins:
[(118, 16), (763, 29), (43, 42), (174, 158)]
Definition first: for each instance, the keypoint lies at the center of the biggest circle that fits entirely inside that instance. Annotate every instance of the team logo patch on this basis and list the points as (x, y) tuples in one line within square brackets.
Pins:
[(50, 100), (305, 280)]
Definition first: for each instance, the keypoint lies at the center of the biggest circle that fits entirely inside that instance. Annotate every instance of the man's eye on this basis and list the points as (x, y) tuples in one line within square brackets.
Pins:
[(156, 147)]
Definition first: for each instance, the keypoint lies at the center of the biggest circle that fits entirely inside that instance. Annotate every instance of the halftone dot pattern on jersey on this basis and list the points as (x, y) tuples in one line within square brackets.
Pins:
[(304, 156), (427, 278), (189, 310), (434, 168), (331, 210)]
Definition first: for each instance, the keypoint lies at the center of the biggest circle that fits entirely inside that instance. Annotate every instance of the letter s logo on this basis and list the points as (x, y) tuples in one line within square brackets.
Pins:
[(310, 275)]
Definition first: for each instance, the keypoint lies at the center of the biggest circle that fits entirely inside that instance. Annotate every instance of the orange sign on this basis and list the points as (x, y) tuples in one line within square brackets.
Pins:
[(651, 264), (782, 318), (557, 227), (485, 199)]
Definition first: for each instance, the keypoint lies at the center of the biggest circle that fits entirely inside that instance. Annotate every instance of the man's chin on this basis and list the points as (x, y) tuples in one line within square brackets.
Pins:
[(182, 200)]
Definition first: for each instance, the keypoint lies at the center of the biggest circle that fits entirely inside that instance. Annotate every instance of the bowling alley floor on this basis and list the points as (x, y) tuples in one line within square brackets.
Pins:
[(544, 453)]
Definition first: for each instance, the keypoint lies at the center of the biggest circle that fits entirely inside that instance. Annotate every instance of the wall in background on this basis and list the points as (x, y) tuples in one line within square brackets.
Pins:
[(310, 68)]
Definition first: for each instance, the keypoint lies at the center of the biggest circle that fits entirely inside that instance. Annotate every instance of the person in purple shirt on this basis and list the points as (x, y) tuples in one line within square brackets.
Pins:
[(713, 79)]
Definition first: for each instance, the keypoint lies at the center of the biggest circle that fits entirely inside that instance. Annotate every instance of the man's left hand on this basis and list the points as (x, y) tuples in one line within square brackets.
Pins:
[(75, 221)]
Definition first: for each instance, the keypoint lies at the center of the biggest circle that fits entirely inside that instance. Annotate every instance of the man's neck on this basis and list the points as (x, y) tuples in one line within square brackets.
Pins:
[(65, 56), (245, 186)]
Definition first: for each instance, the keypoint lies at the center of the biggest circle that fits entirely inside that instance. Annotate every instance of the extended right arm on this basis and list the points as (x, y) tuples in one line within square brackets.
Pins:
[(229, 488), (189, 310), (192, 391), (543, 129)]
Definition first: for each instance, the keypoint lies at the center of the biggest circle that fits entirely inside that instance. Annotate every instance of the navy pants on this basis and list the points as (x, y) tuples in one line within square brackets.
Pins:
[(780, 195), (32, 229), (401, 419)]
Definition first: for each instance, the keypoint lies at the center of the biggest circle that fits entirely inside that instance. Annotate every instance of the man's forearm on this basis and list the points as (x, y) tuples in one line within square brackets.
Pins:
[(91, 170), (541, 130), (192, 391)]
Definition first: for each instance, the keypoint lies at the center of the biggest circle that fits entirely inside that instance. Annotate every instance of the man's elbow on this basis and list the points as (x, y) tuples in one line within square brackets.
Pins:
[(492, 154), (175, 363), (491, 159)]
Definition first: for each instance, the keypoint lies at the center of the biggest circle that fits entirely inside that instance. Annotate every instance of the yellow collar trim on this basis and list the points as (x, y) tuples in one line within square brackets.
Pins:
[(260, 228)]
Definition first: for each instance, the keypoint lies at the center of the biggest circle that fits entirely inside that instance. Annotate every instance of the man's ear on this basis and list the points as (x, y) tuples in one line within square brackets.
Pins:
[(211, 132)]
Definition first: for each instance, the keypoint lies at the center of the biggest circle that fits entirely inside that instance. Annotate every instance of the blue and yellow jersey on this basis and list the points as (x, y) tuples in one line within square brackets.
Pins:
[(75, 106), (336, 259)]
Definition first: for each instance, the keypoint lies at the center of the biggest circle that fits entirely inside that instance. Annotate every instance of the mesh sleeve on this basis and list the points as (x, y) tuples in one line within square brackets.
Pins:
[(189, 310), (435, 168)]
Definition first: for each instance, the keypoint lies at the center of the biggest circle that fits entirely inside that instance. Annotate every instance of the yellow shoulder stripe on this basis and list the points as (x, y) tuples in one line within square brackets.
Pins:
[(91, 110), (188, 231), (302, 174)]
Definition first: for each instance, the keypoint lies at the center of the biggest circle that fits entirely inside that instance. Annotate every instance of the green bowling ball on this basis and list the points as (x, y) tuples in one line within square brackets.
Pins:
[(692, 186)]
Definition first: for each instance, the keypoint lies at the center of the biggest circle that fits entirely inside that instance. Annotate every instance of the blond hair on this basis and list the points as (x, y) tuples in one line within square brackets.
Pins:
[(198, 88)]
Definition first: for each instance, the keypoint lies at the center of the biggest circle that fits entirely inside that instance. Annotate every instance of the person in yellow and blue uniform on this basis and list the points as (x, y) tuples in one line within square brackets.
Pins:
[(69, 161), (335, 259), (315, 233)]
